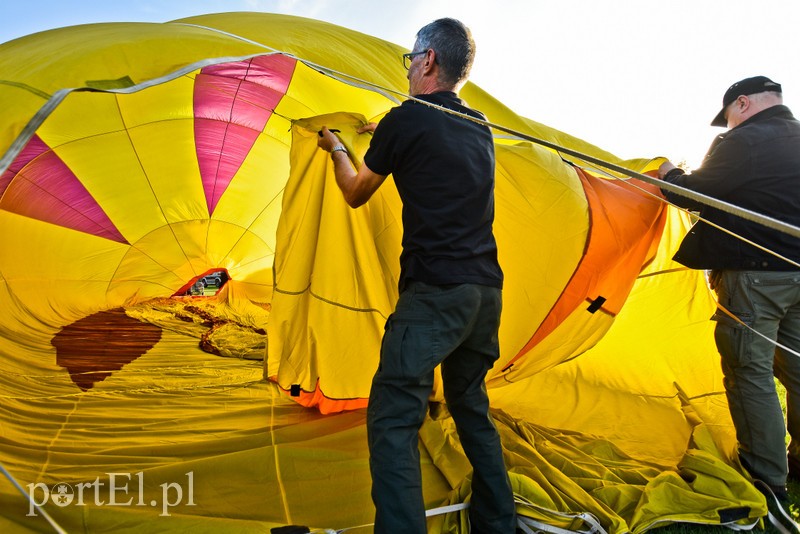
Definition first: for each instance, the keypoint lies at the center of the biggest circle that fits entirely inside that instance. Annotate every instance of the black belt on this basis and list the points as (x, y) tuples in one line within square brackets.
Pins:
[(772, 264)]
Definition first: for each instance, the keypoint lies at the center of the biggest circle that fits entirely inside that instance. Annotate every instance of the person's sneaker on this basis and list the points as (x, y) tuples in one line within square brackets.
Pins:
[(778, 505), (781, 494), (778, 492)]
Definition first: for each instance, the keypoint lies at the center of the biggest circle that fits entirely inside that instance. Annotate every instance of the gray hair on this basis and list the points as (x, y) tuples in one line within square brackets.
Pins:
[(455, 49), (768, 98)]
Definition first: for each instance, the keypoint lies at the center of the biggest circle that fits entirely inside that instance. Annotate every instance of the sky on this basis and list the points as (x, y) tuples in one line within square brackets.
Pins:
[(638, 78)]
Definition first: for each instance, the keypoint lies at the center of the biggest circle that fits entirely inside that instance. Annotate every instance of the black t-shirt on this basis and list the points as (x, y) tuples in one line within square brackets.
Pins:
[(443, 167)]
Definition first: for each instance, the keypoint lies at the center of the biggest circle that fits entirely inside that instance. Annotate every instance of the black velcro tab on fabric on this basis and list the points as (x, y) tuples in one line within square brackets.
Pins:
[(294, 390), (730, 515), (290, 529), (119, 83), (596, 304)]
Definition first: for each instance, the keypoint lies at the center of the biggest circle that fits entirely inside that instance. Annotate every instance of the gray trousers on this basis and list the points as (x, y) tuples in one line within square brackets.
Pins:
[(457, 327), (768, 302)]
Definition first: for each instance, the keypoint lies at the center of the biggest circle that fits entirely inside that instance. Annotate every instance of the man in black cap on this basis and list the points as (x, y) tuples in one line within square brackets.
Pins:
[(755, 270)]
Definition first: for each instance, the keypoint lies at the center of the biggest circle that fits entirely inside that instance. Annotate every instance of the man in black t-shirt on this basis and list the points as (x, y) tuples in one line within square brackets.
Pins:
[(450, 284)]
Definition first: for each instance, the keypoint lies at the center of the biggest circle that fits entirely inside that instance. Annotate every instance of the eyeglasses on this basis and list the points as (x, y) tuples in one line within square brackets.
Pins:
[(408, 58)]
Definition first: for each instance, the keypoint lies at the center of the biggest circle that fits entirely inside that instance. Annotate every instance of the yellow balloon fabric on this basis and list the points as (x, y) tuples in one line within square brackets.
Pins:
[(336, 273), (136, 159)]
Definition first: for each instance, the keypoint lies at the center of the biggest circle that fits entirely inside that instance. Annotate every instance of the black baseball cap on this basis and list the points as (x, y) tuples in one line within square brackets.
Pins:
[(748, 86)]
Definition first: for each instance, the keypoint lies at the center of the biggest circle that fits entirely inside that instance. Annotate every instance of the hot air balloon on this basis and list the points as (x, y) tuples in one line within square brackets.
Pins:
[(140, 159)]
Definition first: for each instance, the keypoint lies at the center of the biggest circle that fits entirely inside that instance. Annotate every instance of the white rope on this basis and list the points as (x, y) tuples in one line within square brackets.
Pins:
[(446, 509), (525, 522), (764, 220), (56, 99), (747, 326), (777, 524), (752, 216), (720, 306), (594, 526), (710, 201), (731, 525), (428, 513), (740, 528), (710, 223), (769, 222)]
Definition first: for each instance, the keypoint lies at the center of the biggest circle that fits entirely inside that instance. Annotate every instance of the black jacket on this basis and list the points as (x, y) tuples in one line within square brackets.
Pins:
[(756, 166)]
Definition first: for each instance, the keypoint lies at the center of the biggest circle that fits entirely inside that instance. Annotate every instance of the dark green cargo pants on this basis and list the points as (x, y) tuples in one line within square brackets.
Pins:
[(767, 303), (457, 327)]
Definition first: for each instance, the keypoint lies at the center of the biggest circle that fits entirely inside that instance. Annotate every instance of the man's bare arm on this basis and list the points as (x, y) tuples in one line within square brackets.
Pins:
[(357, 186)]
